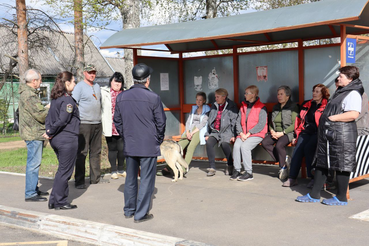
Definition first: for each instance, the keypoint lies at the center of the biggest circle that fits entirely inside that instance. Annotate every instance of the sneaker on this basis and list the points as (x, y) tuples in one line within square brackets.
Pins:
[(114, 176), (290, 183), (211, 172), (245, 177), (122, 174), (310, 184), (283, 173), (235, 175)]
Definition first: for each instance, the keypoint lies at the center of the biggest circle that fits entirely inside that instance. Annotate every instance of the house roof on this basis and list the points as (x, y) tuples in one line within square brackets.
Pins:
[(306, 21), (54, 59)]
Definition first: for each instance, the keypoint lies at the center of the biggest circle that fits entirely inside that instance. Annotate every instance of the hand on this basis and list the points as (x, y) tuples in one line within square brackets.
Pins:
[(232, 139), (243, 136), (188, 135), (47, 106), (46, 136), (206, 138), (293, 142), (332, 118)]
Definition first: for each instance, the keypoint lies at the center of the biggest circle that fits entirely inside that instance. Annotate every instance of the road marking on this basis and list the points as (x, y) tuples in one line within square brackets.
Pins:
[(361, 216), (58, 243)]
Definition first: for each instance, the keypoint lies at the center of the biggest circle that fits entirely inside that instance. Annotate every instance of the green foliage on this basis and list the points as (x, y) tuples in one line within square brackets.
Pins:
[(275, 4)]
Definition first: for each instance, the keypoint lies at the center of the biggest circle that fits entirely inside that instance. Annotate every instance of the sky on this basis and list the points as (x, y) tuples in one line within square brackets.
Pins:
[(97, 36)]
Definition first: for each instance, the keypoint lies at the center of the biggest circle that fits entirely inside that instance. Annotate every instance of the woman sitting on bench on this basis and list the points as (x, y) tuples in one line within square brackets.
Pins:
[(306, 129), (281, 129)]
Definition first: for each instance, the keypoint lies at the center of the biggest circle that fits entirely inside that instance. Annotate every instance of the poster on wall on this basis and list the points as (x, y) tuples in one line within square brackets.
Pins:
[(197, 81), (164, 81), (262, 73), (213, 81)]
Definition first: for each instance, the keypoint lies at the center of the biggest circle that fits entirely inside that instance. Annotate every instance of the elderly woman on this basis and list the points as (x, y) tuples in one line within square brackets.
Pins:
[(220, 130), (113, 140), (281, 129), (337, 134), (251, 128), (306, 129), (195, 127)]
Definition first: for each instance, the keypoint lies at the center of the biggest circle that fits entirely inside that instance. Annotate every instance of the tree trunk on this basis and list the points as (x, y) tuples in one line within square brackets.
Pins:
[(22, 39), (130, 12), (78, 39), (211, 9)]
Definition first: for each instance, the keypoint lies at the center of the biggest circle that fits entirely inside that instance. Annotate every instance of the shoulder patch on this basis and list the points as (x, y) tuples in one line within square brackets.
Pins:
[(69, 108)]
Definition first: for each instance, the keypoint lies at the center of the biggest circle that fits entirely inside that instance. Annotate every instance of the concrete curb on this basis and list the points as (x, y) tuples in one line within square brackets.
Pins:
[(86, 231)]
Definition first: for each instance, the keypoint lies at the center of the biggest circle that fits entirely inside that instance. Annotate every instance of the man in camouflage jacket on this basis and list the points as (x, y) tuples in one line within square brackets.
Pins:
[(32, 116)]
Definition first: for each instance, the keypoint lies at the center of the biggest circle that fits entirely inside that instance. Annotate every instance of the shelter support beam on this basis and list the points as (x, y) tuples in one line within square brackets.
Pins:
[(343, 45), (181, 91), (235, 76), (135, 58), (301, 71)]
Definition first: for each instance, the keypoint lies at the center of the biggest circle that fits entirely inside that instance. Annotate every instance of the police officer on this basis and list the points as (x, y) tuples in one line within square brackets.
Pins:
[(62, 129)]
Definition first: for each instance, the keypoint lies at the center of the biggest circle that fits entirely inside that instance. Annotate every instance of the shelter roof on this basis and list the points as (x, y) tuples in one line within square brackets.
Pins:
[(306, 21)]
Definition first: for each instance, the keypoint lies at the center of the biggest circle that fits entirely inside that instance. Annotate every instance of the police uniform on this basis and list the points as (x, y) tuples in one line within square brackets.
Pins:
[(62, 125)]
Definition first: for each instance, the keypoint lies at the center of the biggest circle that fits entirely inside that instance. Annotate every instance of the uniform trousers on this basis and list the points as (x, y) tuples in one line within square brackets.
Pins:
[(89, 142), (137, 200), (244, 148), (65, 147), (277, 152)]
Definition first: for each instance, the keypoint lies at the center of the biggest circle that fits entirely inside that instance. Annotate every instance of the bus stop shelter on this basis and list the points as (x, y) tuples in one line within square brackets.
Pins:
[(290, 46)]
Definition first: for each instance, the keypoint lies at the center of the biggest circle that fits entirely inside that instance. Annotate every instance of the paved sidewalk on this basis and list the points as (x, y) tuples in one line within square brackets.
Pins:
[(211, 210)]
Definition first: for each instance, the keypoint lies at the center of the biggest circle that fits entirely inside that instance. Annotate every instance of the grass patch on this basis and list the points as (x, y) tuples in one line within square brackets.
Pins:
[(9, 139), (16, 160)]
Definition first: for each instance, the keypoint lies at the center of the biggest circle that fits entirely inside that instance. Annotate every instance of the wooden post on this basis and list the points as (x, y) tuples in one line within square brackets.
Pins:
[(301, 65), (236, 85), (181, 91), (343, 45), (135, 58)]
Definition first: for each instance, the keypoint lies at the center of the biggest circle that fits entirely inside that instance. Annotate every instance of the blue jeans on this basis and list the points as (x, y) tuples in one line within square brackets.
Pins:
[(305, 146), (34, 156)]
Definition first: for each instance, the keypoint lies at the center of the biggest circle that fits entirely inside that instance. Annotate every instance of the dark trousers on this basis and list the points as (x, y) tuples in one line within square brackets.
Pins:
[(115, 152), (89, 141), (65, 147), (305, 147), (226, 147), (277, 151), (320, 177), (137, 201)]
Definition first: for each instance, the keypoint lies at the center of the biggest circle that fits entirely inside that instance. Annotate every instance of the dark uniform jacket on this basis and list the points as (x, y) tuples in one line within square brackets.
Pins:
[(140, 120), (337, 140), (63, 117)]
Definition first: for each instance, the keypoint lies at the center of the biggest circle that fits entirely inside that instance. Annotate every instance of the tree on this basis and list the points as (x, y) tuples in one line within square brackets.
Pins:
[(78, 38), (41, 33), (275, 4), (22, 38)]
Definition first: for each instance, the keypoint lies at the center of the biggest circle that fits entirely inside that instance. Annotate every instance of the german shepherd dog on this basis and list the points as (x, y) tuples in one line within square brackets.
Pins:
[(172, 153)]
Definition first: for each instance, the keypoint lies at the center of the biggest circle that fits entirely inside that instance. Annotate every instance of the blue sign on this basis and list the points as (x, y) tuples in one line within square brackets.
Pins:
[(350, 50)]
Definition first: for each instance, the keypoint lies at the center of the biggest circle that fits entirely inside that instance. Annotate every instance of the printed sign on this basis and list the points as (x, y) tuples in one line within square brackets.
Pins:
[(350, 50), (262, 73)]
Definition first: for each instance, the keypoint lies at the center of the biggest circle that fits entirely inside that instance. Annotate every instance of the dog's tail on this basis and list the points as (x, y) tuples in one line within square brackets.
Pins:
[(182, 162)]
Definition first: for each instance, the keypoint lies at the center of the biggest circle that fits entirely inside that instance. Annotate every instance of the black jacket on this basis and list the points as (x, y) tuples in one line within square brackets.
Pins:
[(140, 119), (336, 148), (63, 117)]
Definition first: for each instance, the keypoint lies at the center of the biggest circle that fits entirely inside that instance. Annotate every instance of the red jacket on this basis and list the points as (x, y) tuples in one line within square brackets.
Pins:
[(300, 119), (252, 119)]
